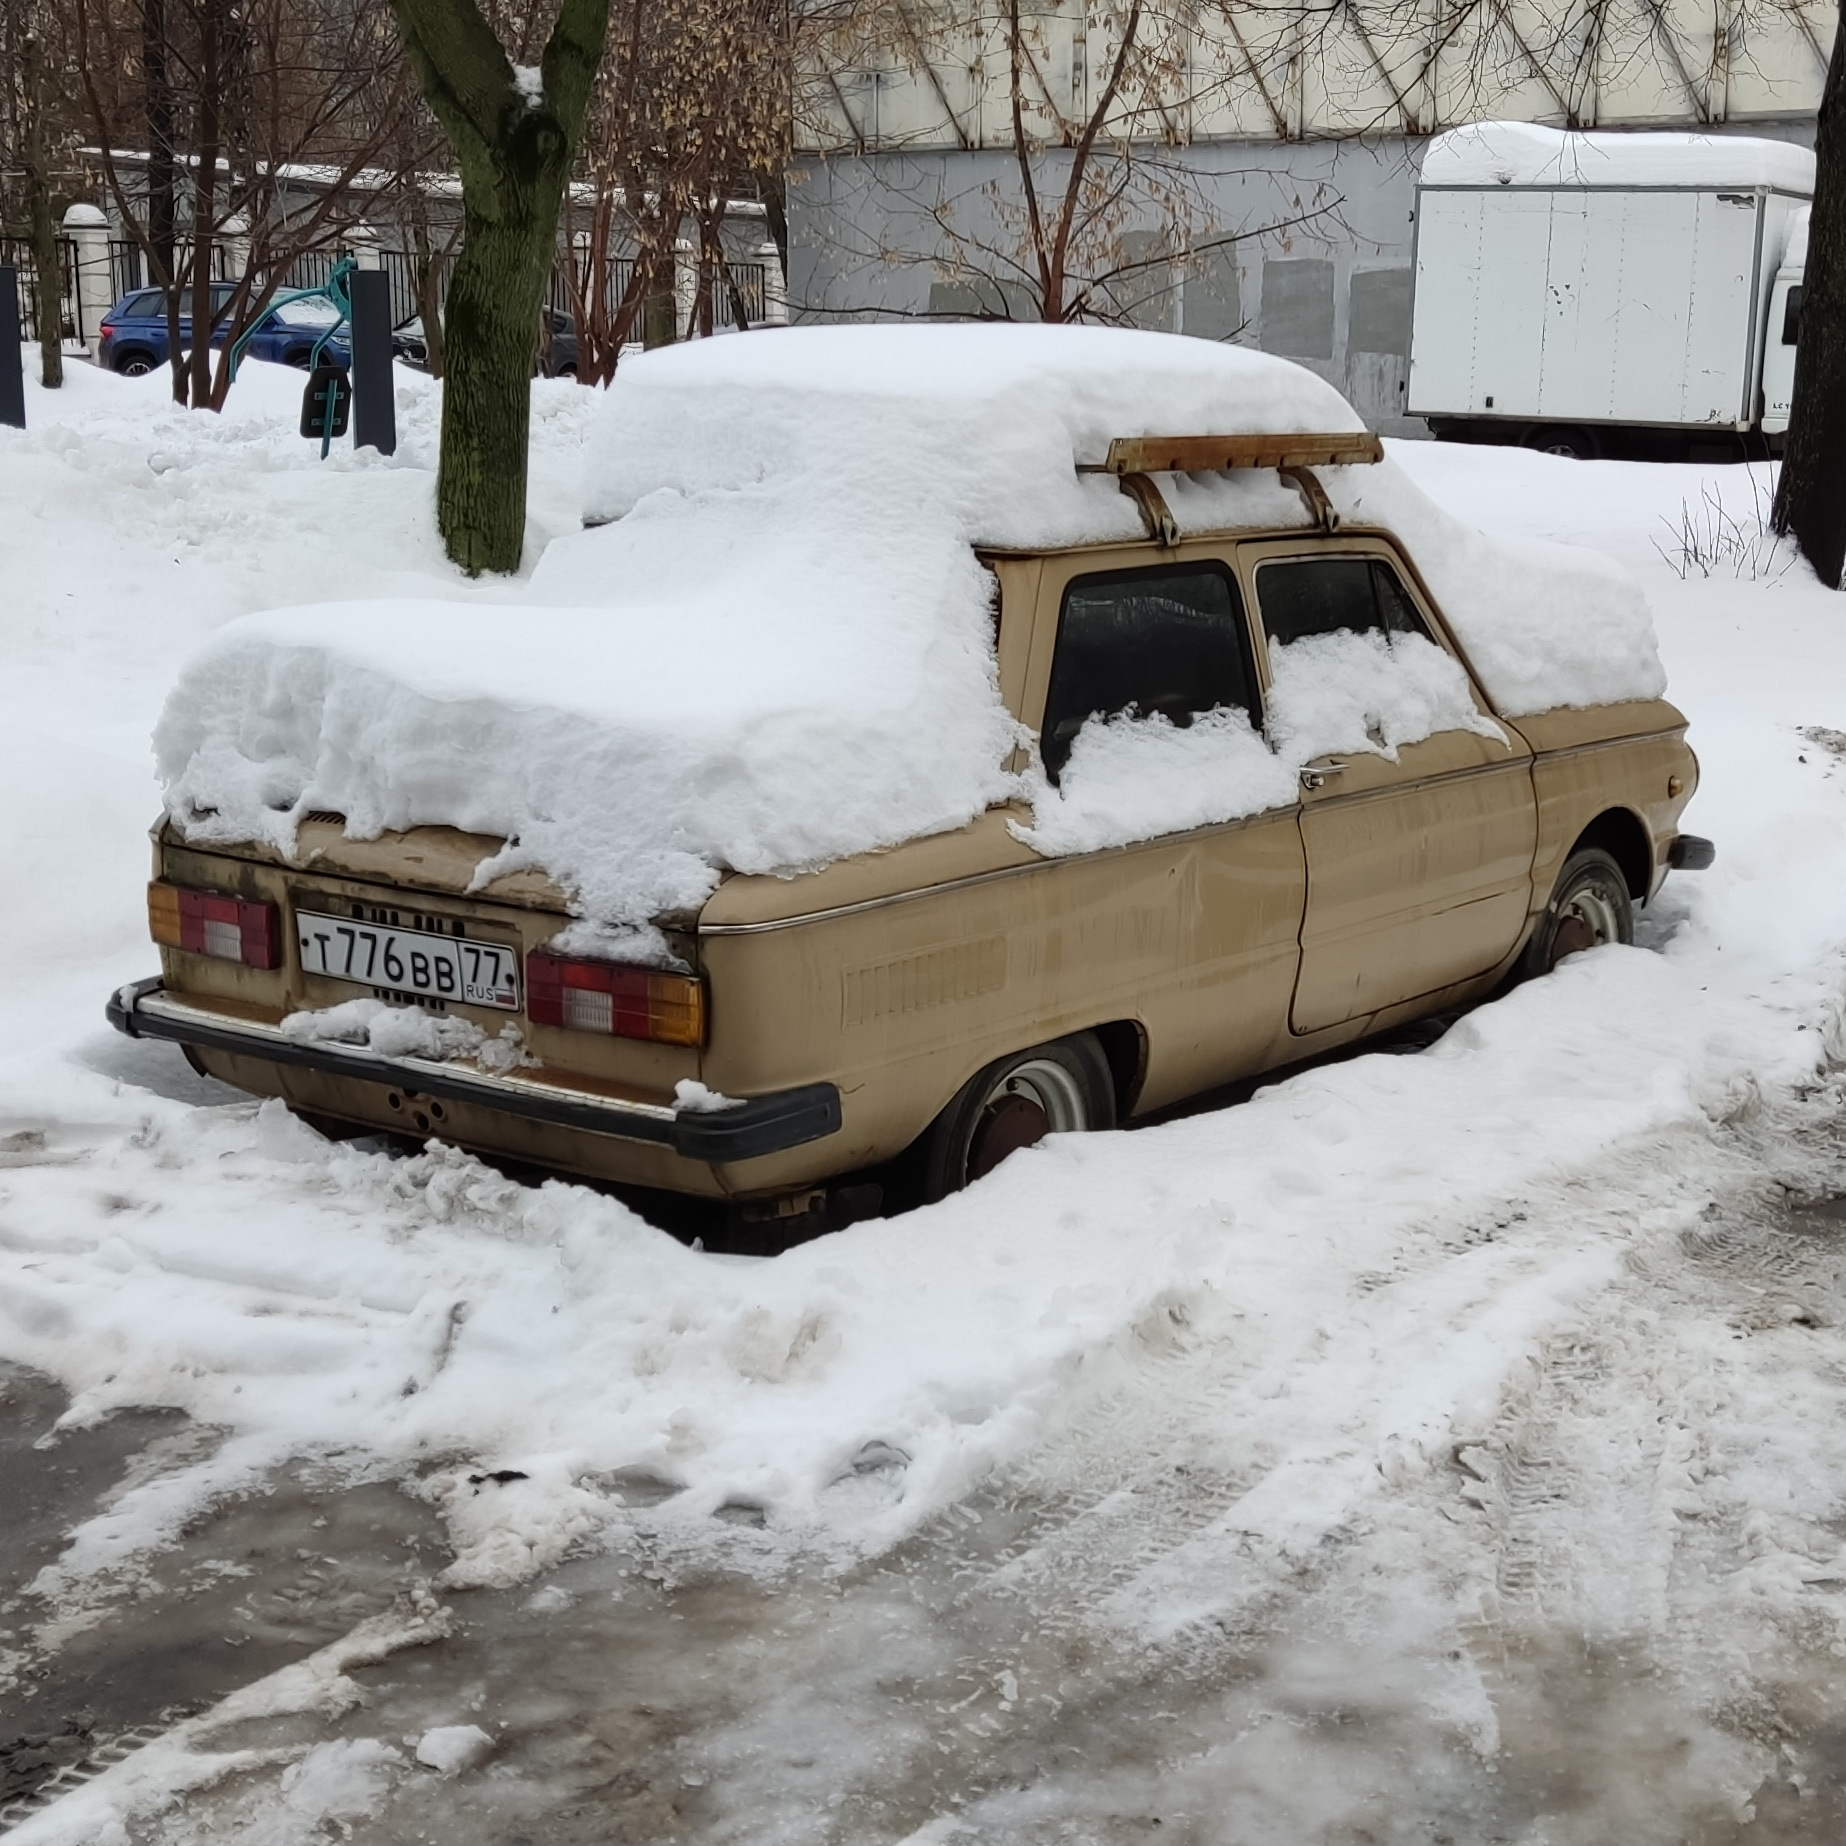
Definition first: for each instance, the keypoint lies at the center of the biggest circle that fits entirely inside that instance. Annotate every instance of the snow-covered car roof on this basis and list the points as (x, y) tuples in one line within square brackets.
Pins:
[(1525, 154), (776, 649)]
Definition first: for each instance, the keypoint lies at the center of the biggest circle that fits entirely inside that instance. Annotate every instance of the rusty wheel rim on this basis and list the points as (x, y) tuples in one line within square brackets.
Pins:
[(1034, 1099), (1587, 920)]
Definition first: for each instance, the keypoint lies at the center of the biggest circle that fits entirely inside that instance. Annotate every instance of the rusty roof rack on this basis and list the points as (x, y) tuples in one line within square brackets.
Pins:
[(1134, 460)]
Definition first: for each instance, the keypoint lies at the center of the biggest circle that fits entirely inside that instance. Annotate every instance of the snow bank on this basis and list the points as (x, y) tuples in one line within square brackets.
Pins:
[(776, 649), (1524, 154)]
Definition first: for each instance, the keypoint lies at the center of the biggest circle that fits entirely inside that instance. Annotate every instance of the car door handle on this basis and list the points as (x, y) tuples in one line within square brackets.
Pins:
[(1317, 775)]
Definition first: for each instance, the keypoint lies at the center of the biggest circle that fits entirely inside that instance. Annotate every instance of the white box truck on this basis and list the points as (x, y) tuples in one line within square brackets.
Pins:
[(1607, 293)]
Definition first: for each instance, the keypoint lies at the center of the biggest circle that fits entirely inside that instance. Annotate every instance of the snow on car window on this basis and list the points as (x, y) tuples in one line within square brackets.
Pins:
[(1168, 641), (315, 312), (1373, 691)]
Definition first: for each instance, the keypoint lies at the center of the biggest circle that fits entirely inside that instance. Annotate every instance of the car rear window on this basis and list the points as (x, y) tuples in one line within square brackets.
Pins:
[(1322, 596), (1169, 640)]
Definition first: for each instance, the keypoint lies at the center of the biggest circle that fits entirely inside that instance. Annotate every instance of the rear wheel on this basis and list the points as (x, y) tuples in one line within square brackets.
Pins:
[(135, 365), (1589, 908), (1061, 1088), (1573, 444)]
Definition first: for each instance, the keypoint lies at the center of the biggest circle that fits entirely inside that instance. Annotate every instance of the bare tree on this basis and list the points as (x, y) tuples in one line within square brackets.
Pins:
[(35, 175), (37, 157), (692, 110), (1102, 212), (231, 134)]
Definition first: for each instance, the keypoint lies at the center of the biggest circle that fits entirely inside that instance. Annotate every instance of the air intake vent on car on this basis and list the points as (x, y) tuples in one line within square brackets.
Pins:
[(326, 814)]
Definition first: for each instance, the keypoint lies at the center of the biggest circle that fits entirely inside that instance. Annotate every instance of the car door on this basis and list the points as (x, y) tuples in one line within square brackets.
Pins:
[(1192, 930), (1419, 852)]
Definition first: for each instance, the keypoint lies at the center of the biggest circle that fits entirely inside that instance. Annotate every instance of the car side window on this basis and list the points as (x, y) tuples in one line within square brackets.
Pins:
[(144, 306), (1322, 596), (1167, 640)]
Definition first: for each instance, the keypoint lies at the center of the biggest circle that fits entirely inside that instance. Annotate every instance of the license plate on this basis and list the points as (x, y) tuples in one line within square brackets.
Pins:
[(409, 961)]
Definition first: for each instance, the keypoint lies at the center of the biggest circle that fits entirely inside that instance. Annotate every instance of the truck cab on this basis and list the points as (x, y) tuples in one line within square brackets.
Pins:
[(1783, 328)]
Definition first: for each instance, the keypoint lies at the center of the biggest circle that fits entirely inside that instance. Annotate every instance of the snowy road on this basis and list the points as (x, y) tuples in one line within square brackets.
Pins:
[(1437, 1446)]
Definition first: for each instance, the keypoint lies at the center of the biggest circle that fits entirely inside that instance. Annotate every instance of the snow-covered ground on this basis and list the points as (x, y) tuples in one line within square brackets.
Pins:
[(1404, 1368)]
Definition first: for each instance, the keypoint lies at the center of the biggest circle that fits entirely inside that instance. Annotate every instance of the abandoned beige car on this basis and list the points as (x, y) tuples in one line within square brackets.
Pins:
[(954, 997)]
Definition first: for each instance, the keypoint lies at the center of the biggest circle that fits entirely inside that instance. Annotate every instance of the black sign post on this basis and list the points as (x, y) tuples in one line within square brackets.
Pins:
[(374, 403), (12, 372)]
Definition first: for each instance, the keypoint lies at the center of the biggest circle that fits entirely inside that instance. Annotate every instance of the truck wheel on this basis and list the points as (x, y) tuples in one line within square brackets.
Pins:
[(1590, 907), (1573, 444), (1061, 1088)]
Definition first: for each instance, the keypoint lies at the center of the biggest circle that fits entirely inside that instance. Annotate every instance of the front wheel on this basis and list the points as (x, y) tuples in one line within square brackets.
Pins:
[(1589, 908), (1062, 1088)]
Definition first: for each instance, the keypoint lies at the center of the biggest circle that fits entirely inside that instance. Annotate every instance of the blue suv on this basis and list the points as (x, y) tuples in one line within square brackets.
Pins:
[(133, 336)]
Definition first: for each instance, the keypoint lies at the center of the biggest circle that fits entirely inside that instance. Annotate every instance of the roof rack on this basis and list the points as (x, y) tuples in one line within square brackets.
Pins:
[(1215, 454), (1134, 460)]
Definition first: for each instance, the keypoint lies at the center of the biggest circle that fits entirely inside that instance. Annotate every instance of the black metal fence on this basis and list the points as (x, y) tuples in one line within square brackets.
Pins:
[(18, 252), (128, 271)]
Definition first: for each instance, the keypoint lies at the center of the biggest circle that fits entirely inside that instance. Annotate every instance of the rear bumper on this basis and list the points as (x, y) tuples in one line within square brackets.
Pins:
[(762, 1125)]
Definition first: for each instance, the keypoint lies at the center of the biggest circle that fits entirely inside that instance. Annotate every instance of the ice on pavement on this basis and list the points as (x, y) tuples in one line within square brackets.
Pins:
[(1361, 1268), (777, 649), (451, 1748)]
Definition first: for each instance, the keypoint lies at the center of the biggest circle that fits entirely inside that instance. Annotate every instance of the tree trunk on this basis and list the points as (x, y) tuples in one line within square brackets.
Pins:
[(1810, 497), (162, 212), (490, 337), (515, 138), (43, 227), (205, 200)]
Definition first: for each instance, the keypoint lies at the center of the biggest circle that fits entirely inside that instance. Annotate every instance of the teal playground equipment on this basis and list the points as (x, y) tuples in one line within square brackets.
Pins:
[(328, 397)]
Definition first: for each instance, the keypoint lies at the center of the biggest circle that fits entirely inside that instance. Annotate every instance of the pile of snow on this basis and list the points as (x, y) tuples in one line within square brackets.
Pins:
[(776, 649), (1524, 154), (407, 1032)]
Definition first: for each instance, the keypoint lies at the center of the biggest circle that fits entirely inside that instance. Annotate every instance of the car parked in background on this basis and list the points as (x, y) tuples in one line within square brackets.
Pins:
[(557, 345), (556, 356), (410, 344), (133, 336)]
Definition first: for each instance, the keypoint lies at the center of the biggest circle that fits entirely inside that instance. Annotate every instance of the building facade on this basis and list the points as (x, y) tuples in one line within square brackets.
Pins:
[(1250, 171)]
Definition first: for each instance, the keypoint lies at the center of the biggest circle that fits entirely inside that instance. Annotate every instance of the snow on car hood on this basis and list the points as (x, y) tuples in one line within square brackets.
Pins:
[(775, 648)]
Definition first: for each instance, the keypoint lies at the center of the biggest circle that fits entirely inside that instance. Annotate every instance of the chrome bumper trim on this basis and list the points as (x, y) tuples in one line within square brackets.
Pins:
[(757, 1126)]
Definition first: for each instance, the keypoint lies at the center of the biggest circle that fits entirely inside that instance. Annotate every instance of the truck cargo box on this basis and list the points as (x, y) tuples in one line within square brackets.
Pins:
[(1597, 279)]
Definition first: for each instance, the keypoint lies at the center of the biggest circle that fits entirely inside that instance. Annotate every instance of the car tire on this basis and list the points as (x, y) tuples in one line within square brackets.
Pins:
[(1589, 907), (566, 371), (299, 357), (135, 365), (1065, 1087)]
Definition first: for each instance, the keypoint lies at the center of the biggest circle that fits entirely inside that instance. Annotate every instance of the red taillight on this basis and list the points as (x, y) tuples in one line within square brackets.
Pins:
[(203, 923), (598, 996)]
